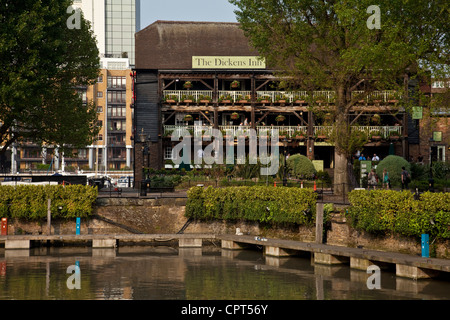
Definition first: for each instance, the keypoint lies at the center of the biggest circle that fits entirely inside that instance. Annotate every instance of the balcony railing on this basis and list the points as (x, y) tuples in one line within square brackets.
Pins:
[(274, 96), (289, 131)]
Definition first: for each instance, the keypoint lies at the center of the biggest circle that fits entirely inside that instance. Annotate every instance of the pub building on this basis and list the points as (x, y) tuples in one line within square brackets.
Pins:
[(190, 72)]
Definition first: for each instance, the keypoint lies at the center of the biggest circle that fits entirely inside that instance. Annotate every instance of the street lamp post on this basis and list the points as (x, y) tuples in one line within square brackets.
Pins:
[(431, 178), (143, 140), (285, 144)]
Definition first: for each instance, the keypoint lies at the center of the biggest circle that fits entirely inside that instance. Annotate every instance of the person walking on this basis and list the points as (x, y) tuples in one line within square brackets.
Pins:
[(372, 179), (386, 181), (406, 177)]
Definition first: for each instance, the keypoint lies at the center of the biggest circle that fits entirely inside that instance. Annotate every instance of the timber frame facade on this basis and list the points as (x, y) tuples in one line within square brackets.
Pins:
[(171, 93)]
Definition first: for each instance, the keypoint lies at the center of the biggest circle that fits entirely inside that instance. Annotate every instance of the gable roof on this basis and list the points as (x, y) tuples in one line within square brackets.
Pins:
[(171, 44)]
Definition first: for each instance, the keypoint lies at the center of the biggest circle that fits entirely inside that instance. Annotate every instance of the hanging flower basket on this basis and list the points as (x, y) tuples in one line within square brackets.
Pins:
[(235, 84), (187, 85), (235, 116), (280, 118), (188, 117), (376, 118)]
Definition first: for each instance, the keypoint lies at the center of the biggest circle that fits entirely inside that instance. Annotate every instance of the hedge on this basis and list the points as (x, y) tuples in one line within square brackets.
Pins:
[(264, 204), (30, 202), (389, 211)]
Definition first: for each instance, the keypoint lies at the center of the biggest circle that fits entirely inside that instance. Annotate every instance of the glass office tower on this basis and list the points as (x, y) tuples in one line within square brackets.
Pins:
[(120, 27)]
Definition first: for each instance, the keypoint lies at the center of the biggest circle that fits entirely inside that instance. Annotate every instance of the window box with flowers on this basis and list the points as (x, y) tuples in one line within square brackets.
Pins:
[(264, 99), (204, 99), (171, 98), (225, 99)]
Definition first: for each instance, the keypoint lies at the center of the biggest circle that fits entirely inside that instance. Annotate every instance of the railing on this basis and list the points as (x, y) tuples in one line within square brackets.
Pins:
[(289, 131), (274, 96)]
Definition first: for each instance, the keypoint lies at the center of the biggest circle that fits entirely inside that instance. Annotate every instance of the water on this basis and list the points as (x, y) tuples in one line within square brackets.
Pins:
[(170, 273)]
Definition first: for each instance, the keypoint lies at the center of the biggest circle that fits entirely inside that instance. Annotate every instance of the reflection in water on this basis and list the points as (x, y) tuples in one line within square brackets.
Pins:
[(167, 273)]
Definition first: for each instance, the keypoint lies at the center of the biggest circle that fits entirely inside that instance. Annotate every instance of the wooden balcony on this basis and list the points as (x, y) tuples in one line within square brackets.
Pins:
[(283, 131), (202, 97)]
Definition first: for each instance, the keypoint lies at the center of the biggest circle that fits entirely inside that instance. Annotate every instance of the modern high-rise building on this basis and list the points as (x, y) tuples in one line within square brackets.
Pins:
[(114, 23)]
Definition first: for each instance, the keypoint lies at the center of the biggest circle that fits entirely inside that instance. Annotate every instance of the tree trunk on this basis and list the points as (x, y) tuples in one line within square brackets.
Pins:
[(341, 183), (341, 135)]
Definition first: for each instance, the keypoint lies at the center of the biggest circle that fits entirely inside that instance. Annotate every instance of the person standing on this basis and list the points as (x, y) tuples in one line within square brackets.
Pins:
[(406, 177), (386, 181), (375, 157)]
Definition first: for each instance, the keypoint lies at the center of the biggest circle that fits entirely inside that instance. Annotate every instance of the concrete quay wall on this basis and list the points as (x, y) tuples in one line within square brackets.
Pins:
[(166, 216)]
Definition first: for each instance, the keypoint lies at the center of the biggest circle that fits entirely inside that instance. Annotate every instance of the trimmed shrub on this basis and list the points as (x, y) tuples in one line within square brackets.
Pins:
[(257, 203), (389, 211), (393, 165), (301, 167), (30, 202)]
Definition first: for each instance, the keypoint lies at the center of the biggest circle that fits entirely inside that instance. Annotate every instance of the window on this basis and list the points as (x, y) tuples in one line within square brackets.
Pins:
[(117, 82), (100, 94), (117, 111), (117, 125), (99, 109), (117, 96), (168, 153)]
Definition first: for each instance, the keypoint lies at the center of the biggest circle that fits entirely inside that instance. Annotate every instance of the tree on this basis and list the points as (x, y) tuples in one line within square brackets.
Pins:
[(42, 64), (318, 44)]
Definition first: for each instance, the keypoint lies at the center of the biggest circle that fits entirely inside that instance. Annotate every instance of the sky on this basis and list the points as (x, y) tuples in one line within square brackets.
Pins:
[(186, 10)]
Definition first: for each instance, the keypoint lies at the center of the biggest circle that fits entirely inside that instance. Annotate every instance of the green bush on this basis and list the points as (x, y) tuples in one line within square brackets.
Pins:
[(301, 167), (30, 202), (257, 203), (393, 165), (389, 211)]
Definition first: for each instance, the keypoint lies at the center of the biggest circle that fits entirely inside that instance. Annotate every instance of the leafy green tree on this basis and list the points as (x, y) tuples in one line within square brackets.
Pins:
[(42, 64), (318, 44)]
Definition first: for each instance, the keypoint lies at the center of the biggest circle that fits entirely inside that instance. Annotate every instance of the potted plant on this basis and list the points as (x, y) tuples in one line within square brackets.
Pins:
[(282, 98), (299, 135), (393, 97), (321, 135), (264, 99), (235, 84), (376, 118), (320, 99), (376, 135), (235, 116), (188, 85), (242, 99), (280, 118), (225, 99), (171, 98), (188, 117), (204, 99), (188, 99), (394, 135)]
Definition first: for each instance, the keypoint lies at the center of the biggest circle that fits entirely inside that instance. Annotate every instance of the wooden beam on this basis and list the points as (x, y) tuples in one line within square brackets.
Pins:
[(173, 113), (263, 117), (357, 117), (210, 88), (301, 118), (168, 85), (265, 82), (204, 115)]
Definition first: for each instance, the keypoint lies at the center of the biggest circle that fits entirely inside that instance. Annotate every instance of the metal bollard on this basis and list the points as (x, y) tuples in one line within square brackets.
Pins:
[(4, 231), (78, 227), (425, 246)]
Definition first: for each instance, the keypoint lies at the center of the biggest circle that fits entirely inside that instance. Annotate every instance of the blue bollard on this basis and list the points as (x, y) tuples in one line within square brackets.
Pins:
[(425, 246), (78, 226)]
